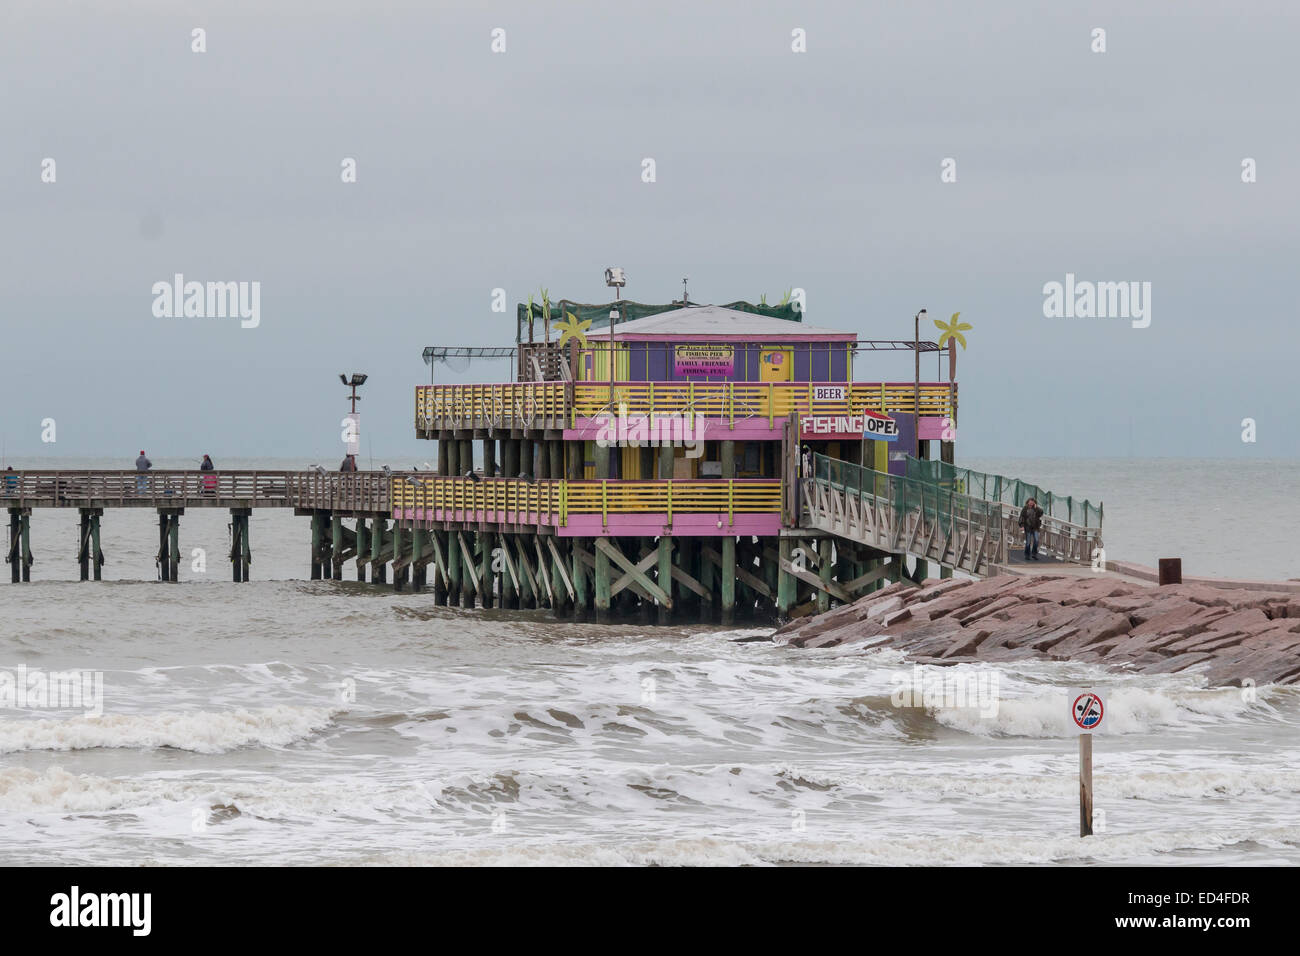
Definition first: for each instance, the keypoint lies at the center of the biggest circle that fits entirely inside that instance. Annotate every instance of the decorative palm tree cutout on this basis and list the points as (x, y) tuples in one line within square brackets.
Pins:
[(571, 328), (952, 329)]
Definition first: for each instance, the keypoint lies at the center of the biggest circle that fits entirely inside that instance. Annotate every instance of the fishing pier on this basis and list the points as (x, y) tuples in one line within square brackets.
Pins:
[(646, 463)]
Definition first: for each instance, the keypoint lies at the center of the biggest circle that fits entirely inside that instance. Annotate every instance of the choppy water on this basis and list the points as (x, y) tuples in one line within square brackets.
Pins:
[(299, 722)]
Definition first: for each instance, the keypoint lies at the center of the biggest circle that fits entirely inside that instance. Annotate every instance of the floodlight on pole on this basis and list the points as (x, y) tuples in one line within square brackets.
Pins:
[(916, 392)]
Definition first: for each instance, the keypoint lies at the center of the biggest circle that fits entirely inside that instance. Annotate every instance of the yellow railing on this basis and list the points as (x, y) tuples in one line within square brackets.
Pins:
[(770, 400), (499, 496), (506, 499), (519, 403), (684, 496), (504, 403)]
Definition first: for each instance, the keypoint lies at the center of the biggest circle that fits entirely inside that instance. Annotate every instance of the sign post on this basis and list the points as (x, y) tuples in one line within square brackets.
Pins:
[(1087, 709)]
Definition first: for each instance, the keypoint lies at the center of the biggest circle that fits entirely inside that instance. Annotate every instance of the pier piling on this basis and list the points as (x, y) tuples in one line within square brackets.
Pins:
[(241, 554)]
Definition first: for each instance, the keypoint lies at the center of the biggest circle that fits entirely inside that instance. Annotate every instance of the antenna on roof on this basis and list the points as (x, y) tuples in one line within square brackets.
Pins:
[(685, 298)]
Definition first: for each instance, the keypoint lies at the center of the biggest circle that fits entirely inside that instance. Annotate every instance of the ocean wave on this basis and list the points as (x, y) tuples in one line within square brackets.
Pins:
[(1129, 710), (199, 732), (919, 850)]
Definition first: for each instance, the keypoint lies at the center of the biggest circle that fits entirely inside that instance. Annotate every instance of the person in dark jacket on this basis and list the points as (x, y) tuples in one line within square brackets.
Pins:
[(209, 481), (142, 464), (349, 463), (1031, 519)]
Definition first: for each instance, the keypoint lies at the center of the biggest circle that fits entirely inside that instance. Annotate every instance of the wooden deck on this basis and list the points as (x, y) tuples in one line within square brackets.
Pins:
[(540, 407), (354, 493)]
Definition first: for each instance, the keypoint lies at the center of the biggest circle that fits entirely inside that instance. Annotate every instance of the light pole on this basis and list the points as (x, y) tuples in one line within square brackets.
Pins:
[(358, 379), (916, 392)]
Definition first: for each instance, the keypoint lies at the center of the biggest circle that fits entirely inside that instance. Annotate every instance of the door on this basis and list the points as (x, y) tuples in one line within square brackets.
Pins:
[(776, 365)]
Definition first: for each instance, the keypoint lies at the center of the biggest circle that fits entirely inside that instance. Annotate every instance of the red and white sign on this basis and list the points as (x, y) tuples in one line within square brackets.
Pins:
[(879, 427), (1086, 710)]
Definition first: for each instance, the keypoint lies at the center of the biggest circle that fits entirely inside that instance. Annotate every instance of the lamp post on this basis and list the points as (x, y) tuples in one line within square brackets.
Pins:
[(916, 392), (356, 381)]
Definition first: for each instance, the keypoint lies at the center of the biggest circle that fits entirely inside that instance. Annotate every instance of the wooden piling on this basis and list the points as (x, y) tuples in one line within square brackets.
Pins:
[(786, 584), (1171, 571), (581, 598), (510, 458), (316, 534), (487, 573), (454, 572), (1085, 785), (363, 540), (602, 585), (664, 577), (245, 545), (174, 542), (15, 544), (378, 566), (399, 572), (83, 545), (728, 613), (824, 574), (418, 549), (336, 547), (96, 555), (162, 559)]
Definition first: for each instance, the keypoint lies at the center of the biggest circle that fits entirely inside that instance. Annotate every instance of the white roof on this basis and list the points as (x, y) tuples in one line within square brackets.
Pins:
[(714, 320)]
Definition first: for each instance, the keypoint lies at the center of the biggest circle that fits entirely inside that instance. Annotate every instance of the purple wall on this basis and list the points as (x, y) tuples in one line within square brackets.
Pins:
[(813, 362)]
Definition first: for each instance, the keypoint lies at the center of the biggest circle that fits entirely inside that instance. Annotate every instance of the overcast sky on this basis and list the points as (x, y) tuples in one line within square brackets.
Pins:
[(478, 170)]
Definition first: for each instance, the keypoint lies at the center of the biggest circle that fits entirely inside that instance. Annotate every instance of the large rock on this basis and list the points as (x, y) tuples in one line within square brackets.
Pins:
[(1230, 635)]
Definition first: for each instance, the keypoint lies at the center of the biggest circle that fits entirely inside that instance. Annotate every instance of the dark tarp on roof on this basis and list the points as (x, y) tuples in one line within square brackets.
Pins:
[(628, 311)]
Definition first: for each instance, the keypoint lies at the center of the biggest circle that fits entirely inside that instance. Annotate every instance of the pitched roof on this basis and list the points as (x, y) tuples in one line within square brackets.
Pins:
[(711, 320)]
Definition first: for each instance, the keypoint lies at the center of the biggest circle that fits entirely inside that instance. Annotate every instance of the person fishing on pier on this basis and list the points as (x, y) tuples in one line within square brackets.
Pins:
[(1031, 519), (142, 464), (209, 481)]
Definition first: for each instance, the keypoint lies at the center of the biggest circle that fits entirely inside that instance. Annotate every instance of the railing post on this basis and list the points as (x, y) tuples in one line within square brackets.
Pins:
[(731, 501)]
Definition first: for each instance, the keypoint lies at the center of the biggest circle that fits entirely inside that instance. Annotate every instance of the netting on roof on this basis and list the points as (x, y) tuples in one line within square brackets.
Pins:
[(629, 311)]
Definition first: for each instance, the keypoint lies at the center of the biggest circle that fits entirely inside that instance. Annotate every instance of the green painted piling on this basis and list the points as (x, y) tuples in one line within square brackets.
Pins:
[(665, 577), (363, 543), (728, 613), (786, 584), (603, 585)]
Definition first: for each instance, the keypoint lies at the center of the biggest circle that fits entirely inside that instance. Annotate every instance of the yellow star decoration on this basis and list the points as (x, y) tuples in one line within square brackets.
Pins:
[(571, 328), (952, 330)]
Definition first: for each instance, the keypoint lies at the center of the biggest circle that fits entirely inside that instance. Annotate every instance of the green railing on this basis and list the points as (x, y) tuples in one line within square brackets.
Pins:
[(936, 500), (1008, 491)]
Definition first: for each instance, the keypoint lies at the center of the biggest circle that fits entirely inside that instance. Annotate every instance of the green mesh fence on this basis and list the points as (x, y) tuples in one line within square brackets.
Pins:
[(939, 500), (1009, 491)]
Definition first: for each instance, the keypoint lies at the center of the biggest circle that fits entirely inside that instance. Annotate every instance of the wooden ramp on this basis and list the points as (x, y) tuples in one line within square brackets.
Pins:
[(929, 521)]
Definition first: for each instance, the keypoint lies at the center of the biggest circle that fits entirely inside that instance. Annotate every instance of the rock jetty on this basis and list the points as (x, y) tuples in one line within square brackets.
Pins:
[(1230, 635)]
